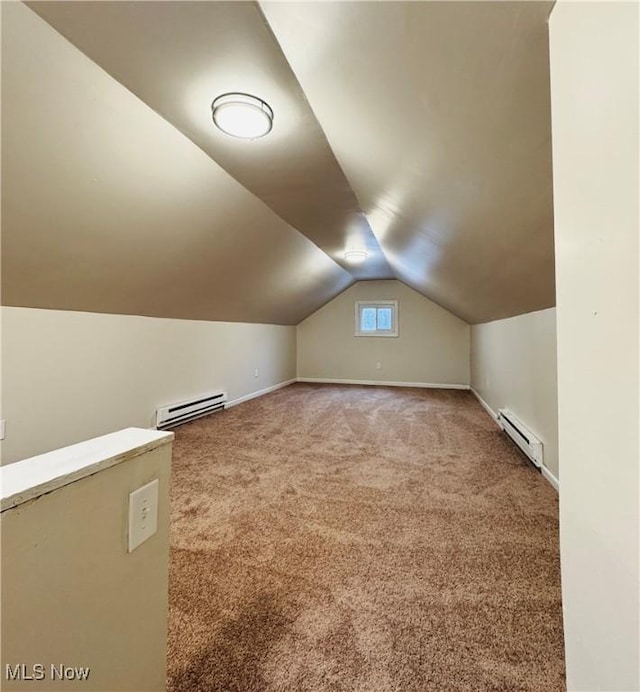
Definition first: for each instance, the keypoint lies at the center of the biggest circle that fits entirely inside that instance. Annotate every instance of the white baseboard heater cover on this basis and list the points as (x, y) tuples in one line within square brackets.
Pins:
[(183, 411), (522, 436)]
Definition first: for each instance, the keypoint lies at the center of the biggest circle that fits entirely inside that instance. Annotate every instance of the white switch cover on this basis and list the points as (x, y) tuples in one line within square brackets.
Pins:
[(143, 514), (1, 430)]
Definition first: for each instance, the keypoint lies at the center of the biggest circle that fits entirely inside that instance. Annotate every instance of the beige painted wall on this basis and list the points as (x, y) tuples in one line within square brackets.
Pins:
[(69, 376), (513, 365), (432, 346), (595, 115), (72, 594)]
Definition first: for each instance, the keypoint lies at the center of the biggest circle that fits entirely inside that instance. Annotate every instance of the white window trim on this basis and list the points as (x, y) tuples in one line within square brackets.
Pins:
[(380, 304)]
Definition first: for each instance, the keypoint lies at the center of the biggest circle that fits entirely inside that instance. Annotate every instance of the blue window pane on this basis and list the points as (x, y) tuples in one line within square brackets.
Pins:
[(385, 318), (368, 320)]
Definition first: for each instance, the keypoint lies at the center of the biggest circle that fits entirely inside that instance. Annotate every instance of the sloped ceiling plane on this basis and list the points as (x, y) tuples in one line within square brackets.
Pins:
[(419, 131)]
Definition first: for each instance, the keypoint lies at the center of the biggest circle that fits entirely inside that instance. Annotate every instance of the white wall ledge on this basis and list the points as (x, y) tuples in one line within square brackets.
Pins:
[(30, 478)]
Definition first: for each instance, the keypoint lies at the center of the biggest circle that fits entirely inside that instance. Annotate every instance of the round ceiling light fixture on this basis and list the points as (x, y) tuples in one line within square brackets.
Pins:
[(354, 256), (242, 115)]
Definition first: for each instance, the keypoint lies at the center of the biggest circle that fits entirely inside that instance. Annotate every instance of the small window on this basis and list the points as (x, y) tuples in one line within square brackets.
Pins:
[(377, 318)]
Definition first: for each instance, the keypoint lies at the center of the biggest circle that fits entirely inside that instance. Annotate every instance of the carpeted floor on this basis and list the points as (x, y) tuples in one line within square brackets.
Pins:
[(362, 539)]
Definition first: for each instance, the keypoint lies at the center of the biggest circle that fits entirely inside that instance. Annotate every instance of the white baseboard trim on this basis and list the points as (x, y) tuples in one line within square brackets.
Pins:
[(551, 478), (260, 392), (373, 383), (486, 406)]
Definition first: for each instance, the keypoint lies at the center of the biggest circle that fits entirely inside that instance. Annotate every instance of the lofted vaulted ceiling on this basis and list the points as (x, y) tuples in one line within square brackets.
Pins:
[(419, 130)]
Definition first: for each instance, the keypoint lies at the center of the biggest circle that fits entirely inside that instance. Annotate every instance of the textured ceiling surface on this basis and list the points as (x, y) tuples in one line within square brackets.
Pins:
[(438, 113), (106, 207), (418, 130)]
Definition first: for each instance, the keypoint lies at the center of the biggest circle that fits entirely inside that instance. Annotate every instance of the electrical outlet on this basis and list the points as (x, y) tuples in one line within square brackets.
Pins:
[(143, 513), (378, 365), (2, 429), (255, 372)]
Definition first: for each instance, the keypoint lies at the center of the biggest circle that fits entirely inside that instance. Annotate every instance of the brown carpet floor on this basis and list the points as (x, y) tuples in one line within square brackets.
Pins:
[(360, 538)]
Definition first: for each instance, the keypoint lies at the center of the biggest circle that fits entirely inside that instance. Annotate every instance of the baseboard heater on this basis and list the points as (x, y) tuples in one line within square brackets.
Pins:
[(184, 411), (522, 436)]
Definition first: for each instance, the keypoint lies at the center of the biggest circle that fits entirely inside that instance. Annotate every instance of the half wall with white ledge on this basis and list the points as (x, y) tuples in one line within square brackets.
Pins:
[(81, 601)]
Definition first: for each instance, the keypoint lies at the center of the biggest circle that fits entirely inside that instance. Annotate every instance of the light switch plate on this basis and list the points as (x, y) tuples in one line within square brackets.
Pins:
[(1, 430), (143, 514)]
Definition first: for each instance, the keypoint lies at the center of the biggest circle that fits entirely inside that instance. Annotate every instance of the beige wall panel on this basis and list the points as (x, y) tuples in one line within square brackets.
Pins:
[(72, 595), (513, 366), (595, 94), (432, 346), (106, 207), (70, 376)]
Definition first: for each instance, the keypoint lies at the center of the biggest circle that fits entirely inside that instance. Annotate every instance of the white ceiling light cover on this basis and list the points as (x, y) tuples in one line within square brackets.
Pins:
[(242, 115), (354, 256)]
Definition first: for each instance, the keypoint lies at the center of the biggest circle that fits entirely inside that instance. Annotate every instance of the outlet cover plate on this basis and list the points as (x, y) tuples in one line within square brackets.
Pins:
[(143, 513)]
